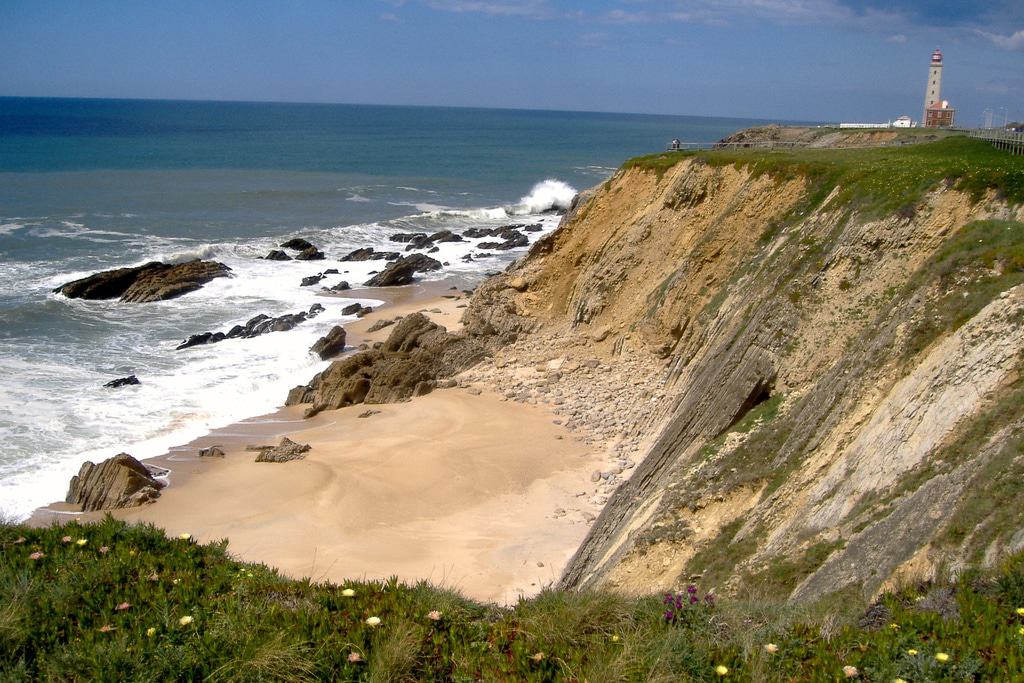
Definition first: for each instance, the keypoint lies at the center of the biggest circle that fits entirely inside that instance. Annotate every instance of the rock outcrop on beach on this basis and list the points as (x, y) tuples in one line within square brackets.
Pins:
[(153, 281), (286, 451), (402, 271), (415, 355), (277, 255), (120, 482), (331, 344)]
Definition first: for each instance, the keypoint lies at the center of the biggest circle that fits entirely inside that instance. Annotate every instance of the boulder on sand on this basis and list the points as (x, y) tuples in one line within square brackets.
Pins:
[(284, 451), (153, 281), (401, 272), (120, 482)]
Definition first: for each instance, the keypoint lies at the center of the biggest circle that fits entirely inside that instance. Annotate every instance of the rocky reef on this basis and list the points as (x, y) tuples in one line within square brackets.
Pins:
[(153, 281)]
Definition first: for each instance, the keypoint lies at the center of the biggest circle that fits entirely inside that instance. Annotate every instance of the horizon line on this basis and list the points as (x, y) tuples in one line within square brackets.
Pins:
[(409, 106)]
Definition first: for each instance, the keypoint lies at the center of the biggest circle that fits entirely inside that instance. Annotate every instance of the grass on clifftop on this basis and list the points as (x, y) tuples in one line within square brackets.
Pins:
[(110, 602), (878, 180)]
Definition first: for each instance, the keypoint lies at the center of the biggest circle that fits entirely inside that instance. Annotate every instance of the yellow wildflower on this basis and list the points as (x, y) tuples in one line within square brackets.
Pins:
[(721, 670), (941, 657), (185, 621), (150, 632), (348, 592), (912, 652), (81, 541)]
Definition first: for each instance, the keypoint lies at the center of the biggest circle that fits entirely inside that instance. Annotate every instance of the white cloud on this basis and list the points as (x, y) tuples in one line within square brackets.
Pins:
[(536, 9), (898, 39), (1014, 41)]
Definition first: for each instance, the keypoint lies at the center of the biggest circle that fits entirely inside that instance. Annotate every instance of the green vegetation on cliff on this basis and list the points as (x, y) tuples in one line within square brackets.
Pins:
[(112, 602), (878, 180)]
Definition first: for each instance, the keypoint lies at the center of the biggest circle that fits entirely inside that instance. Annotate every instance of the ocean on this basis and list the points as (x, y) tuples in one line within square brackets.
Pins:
[(87, 185)]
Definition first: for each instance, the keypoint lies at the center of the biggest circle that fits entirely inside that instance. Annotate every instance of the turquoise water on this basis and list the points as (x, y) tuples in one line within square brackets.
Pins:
[(93, 184)]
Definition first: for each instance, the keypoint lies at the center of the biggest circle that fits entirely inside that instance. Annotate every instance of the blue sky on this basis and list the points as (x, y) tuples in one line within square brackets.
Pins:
[(792, 59)]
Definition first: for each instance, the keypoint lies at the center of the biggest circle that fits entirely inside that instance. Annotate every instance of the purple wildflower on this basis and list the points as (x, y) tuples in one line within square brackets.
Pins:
[(691, 589), (668, 599)]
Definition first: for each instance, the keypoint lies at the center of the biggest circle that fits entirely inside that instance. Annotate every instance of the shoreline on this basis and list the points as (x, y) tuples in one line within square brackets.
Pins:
[(461, 487)]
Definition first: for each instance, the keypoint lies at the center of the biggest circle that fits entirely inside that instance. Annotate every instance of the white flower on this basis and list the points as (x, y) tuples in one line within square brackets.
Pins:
[(185, 536), (771, 648), (373, 621), (850, 671), (348, 592), (185, 621)]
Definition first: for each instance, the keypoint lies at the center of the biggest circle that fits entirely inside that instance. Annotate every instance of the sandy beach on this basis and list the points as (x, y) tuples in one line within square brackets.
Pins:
[(461, 487)]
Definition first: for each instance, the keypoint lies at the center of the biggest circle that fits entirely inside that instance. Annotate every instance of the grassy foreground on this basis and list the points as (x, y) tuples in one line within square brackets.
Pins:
[(110, 601)]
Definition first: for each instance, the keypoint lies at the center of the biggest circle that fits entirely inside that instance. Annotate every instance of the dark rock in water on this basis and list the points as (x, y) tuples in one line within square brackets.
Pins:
[(261, 324), (211, 452), (536, 227), (296, 243), (401, 272), (445, 236), (477, 233), (285, 451), (153, 281), (312, 280), (340, 287), (120, 482), (330, 344), (420, 242), (369, 254), (331, 271), (406, 236), (128, 381), (352, 309), (311, 254), (433, 250), (467, 257), (513, 240), (195, 340), (380, 325), (277, 255)]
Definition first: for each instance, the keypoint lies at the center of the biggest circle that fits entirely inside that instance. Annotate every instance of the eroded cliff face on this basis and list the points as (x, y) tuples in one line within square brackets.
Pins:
[(830, 400)]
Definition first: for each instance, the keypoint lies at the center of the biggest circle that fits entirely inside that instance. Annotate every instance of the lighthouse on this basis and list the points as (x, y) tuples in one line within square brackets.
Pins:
[(937, 112)]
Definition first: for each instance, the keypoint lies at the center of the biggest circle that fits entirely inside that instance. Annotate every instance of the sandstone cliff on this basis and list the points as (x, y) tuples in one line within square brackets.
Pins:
[(804, 366), (836, 342)]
